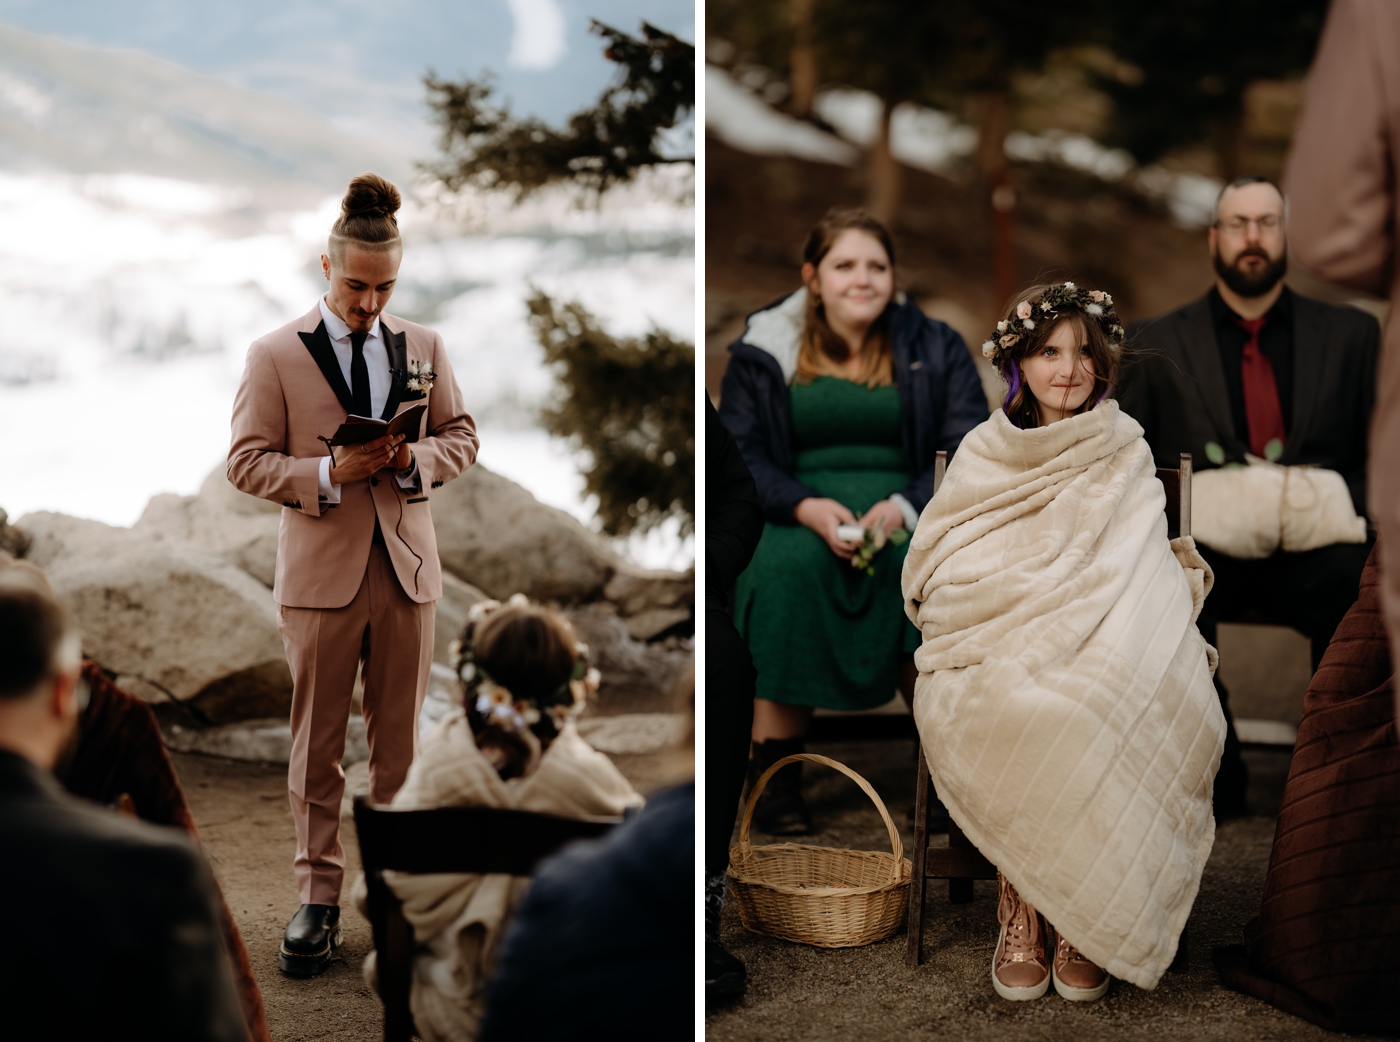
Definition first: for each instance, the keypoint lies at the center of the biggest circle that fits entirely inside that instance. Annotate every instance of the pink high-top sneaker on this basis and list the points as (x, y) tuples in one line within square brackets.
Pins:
[(1076, 978), (1020, 969)]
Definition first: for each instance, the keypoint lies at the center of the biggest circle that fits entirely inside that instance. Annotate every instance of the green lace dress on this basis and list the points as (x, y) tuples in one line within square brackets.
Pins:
[(821, 632)]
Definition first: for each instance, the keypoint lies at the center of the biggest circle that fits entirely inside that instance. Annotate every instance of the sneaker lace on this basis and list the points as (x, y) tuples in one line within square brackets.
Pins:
[(1023, 942), (1068, 953)]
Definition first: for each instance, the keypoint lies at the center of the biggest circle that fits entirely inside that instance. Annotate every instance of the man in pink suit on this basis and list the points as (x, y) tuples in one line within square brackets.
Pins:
[(1343, 179), (358, 577)]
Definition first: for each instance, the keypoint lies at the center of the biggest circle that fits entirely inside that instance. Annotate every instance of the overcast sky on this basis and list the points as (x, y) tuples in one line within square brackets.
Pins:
[(362, 61)]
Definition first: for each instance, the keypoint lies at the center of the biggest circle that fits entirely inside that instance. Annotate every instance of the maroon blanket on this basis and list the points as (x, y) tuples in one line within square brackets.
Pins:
[(1323, 945), (120, 752)]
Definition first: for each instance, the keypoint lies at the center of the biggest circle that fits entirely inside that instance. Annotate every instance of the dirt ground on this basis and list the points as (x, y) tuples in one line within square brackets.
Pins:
[(246, 826), (799, 992)]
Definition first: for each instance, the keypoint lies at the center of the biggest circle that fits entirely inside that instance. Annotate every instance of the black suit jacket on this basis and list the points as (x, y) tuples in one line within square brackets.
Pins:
[(733, 514), (1174, 385), (108, 927)]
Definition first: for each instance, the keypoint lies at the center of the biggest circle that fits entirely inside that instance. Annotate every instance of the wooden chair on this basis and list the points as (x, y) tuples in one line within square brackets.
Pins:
[(448, 839), (960, 862)]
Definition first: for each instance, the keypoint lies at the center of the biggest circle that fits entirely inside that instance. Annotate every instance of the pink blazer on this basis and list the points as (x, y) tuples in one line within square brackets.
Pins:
[(293, 391)]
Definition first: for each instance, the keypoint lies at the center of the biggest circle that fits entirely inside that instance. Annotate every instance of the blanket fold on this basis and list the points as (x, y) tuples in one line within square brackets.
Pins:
[(458, 919), (1064, 700)]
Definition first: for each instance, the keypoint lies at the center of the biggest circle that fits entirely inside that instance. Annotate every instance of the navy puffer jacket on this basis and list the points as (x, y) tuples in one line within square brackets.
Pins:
[(940, 398)]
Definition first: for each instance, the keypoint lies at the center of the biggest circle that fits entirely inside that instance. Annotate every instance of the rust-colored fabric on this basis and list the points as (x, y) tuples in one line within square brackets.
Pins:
[(119, 750), (1343, 179), (284, 405), (1323, 944)]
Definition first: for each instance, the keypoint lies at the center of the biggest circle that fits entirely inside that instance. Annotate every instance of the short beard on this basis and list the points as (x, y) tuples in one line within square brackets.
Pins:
[(1251, 285)]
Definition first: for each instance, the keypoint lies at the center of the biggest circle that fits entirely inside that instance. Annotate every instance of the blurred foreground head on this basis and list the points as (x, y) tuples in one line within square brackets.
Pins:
[(524, 675), (848, 268), (40, 657), (362, 256), (1248, 245)]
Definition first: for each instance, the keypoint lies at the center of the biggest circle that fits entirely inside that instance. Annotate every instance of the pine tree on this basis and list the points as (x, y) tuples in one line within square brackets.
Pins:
[(630, 403), (485, 147)]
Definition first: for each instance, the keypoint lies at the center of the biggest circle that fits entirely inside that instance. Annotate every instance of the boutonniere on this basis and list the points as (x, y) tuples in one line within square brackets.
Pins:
[(419, 376)]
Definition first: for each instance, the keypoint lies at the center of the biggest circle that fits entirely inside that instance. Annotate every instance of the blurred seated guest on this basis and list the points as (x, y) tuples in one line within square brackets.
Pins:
[(514, 743), (838, 396), (1265, 382), (117, 757), (112, 926), (603, 946), (733, 525), (1320, 947)]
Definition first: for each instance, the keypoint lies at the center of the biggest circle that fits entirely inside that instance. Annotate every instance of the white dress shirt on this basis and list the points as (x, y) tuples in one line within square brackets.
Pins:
[(380, 380)]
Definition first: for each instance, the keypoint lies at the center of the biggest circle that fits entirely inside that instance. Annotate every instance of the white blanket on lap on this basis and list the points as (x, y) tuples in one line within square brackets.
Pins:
[(1064, 699)]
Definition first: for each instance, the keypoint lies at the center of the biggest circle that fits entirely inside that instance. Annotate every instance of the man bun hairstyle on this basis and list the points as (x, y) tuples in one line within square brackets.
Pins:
[(367, 219)]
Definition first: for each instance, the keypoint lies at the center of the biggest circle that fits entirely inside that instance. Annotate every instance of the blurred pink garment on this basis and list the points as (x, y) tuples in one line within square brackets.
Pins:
[(1342, 186)]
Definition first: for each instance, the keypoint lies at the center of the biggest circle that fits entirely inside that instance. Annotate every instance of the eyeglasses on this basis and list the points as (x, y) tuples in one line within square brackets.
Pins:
[(1270, 222)]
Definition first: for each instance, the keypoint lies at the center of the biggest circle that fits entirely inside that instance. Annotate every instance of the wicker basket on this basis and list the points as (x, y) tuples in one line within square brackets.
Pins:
[(823, 896)]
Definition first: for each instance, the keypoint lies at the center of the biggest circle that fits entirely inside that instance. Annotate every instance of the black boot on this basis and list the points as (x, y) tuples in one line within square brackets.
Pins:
[(725, 974), (1232, 777), (781, 810), (311, 936)]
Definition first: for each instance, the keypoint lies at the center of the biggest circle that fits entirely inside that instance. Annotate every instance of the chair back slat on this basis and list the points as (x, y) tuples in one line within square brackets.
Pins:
[(1176, 482), (445, 839), (940, 467)]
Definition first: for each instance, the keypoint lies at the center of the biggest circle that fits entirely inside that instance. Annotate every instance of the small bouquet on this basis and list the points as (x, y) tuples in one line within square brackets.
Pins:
[(417, 378), (872, 541)]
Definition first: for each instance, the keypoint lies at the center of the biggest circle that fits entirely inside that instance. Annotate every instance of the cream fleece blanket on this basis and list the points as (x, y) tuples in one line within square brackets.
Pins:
[(1064, 697), (459, 919), (1252, 511)]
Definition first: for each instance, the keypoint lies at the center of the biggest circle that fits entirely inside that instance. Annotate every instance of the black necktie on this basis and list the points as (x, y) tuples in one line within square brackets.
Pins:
[(359, 376)]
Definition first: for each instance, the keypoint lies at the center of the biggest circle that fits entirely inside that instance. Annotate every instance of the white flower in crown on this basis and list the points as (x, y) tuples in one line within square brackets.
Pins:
[(481, 609), (420, 376), (1029, 323), (989, 349), (1001, 326), (1070, 285), (1093, 309), (1108, 299), (518, 600)]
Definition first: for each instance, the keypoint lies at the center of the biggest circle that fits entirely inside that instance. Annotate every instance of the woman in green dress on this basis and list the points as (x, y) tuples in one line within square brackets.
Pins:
[(838, 396)]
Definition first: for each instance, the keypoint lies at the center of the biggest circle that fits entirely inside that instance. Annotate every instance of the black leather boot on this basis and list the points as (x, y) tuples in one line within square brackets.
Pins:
[(781, 810), (725, 974), (311, 936)]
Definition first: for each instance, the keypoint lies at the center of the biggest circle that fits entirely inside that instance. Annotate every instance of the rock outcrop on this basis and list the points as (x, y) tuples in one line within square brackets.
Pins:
[(179, 607), (188, 626)]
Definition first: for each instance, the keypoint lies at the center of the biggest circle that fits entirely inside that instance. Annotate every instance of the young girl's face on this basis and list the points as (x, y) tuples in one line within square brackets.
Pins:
[(1061, 373)]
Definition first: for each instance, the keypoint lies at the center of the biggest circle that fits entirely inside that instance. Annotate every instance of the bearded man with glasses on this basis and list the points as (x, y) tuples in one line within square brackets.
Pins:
[(1253, 372)]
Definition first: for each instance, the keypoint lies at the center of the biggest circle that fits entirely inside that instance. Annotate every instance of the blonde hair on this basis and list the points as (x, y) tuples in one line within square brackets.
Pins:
[(367, 218), (822, 352)]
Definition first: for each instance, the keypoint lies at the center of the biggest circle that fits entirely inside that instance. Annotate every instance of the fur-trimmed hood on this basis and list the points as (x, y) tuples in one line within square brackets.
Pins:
[(777, 329)]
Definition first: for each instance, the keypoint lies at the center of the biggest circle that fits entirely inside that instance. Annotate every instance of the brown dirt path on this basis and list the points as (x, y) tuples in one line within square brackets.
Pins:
[(246, 826)]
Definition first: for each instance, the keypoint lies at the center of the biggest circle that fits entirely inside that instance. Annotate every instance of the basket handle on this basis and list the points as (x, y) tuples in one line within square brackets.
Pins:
[(896, 844)]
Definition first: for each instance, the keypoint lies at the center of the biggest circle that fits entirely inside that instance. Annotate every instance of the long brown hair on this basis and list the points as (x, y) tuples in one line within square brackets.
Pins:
[(822, 352), (1020, 405), (367, 218)]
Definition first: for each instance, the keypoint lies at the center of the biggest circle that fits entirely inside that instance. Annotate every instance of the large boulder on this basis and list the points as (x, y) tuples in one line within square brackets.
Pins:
[(495, 535), (638, 676), (12, 541), (457, 600), (191, 627), (228, 523)]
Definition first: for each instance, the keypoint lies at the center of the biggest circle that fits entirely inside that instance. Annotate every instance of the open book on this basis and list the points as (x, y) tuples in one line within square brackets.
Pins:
[(356, 430)]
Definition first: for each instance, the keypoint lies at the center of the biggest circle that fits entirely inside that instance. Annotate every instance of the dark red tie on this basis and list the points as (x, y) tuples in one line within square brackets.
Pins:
[(1261, 406)]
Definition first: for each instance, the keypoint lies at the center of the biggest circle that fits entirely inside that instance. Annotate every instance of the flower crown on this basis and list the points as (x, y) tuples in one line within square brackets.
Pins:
[(1095, 303), (496, 704)]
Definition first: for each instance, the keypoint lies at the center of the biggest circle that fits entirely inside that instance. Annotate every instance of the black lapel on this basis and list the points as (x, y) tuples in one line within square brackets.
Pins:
[(396, 345), (1309, 354), (319, 344), (1196, 333)]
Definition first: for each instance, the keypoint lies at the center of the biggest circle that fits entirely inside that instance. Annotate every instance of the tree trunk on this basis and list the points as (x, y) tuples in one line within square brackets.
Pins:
[(803, 58), (993, 124), (884, 173)]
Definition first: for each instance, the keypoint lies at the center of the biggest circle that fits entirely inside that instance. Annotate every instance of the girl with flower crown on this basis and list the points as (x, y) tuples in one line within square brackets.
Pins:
[(1064, 698), (514, 743)]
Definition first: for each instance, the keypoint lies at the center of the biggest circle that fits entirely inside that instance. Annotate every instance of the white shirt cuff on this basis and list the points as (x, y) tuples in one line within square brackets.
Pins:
[(409, 482), (911, 516), (327, 492)]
